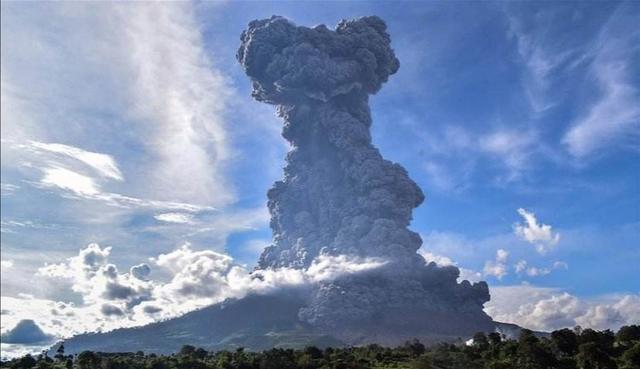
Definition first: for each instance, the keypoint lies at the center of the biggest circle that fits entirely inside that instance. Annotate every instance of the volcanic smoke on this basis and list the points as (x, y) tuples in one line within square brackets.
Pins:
[(339, 196)]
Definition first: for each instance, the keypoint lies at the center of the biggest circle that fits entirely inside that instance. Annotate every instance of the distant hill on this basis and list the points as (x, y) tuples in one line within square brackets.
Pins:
[(256, 322)]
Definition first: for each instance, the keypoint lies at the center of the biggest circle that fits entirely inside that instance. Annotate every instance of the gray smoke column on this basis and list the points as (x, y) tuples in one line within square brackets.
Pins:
[(339, 196)]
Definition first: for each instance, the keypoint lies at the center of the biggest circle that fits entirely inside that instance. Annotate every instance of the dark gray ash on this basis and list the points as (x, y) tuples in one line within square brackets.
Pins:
[(339, 196)]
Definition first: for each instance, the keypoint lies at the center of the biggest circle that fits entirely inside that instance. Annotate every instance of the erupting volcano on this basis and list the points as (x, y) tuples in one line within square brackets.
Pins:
[(339, 196), (339, 199)]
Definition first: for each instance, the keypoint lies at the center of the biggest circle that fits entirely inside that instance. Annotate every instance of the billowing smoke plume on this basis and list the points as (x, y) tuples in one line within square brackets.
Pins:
[(338, 195)]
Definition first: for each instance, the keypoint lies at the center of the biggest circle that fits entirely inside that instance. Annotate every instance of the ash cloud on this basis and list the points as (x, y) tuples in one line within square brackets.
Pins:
[(339, 196)]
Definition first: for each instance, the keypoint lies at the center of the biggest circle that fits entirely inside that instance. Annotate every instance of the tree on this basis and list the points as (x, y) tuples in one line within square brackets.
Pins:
[(480, 341), (532, 354), (421, 362), (590, 356), (631, 358), (415, 347), (187, 350), (314, 352), (88, 360), (26, 362), (604, 339), (495, 338), (60, 352), (566, 341), (628, 334), (277, 359)]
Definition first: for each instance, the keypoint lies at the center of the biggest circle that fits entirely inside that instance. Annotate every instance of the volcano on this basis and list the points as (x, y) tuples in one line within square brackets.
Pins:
[(338, 197)]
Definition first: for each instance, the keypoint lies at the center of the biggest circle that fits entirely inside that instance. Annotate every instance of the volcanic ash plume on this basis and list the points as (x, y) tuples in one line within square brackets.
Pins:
[(338, 195)]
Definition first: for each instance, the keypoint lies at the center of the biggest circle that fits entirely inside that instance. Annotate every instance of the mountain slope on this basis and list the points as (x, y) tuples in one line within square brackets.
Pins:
[(256, 322)]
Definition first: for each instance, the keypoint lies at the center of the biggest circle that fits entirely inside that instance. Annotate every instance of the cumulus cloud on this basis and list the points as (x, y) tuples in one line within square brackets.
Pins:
[(26, 332), (90, 275), (111, 310), (140, 271), (497, 268), (549, 308), (207, 274), (540, 235), (196, 278)]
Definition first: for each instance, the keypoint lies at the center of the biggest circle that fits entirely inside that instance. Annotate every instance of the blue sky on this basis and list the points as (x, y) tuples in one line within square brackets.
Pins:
[(131, 126)]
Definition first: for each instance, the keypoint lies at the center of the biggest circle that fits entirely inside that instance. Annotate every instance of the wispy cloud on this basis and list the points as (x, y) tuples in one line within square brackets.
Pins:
[(182, 218), (156, 101), (614, 116), (541, 60), (181, 98), (103, 164), (70, 180), (514, 148), (596, 57)]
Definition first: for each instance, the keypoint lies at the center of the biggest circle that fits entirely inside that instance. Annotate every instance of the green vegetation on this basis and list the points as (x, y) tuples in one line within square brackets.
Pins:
[(562, 349)]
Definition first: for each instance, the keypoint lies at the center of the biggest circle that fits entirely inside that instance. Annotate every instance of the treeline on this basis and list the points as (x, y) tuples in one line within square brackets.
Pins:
[(563, 349)]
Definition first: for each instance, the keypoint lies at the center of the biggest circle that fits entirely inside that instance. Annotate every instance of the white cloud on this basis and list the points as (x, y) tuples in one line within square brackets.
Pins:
[(560, 265), (540, 235), (6, 264), (502, 255), (175, 217), (8, 189), (438, 259), (523, 267), (465, 274), (196, 278), (614, 313), (614, 118), (497, 268), (70, 180), (532, 271), (103, 164), (535, 271), (513, 148), (549, 308), (540, 61), (85, 108), (181, 97)]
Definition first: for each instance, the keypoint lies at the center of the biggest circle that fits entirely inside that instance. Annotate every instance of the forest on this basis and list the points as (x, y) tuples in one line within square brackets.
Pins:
[(562, 349)]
